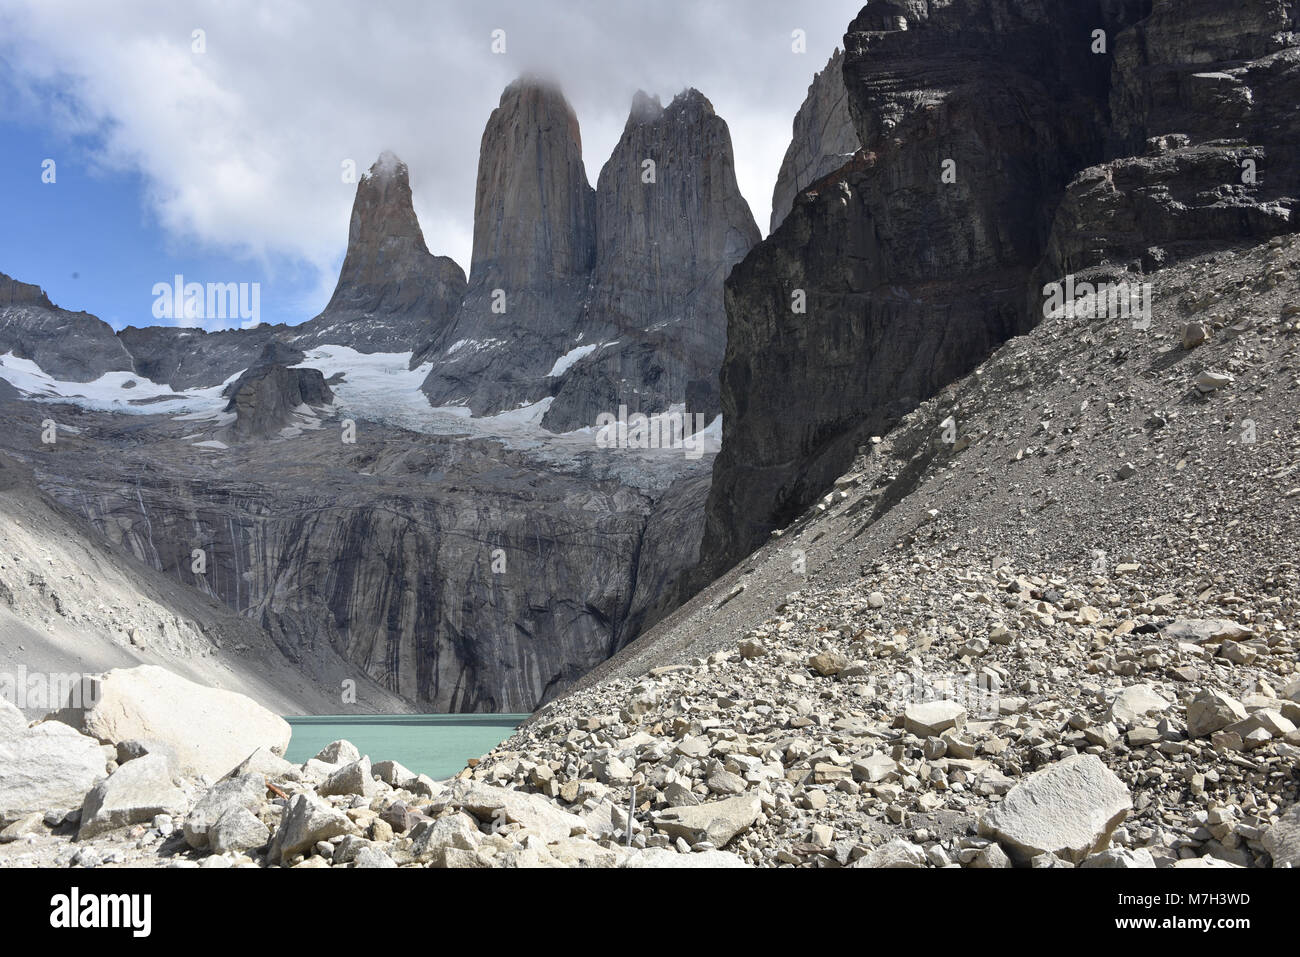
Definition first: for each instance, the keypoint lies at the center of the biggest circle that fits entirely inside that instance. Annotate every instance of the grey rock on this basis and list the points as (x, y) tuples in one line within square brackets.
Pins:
[(431, 842), (338, 752), (247, 792), (74, 346), (661, 857), (717, 822), (1210, 711), (371, 858), (1121, 857), (897, 853), (238, 829), (354, 778), (47, 765), (135, 793), (1068, 809), (824, 138), (306, 821), (1282, 840), (392, 295), (209, 730)]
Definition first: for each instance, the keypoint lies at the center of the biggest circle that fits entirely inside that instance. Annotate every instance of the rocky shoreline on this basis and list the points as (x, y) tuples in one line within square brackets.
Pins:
[(797, 748)]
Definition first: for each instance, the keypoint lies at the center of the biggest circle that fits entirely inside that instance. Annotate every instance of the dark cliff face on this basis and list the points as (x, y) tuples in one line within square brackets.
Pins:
[(1205, 145), (909, 280), (195, 358), (393, 295), (74, 346), (266, 400), (1065, 161)]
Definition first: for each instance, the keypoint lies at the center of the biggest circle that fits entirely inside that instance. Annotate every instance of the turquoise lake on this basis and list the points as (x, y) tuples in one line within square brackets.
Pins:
[(434, 744)]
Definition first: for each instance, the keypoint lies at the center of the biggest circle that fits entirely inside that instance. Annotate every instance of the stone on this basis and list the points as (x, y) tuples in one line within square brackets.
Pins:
[(991, 857), (897, 853), (532, 811), (338, 752), (661, 857), (1068, 809), (353, 778), (267, 763), (931, 718), (1121, 857), (432, 841), (371, 858), (12, 720), (47, 765), (397, 816), (247, 791), (1269, 720), (717, 822), (1134, 702), (828, 663), (30, 824), (1203, 630), (1209, 381), (1282, 840), (135, 793), (874, 768), (1193, 335), (238, 829), (1210, 711), (610, 770), (306, 821), (209, 730)]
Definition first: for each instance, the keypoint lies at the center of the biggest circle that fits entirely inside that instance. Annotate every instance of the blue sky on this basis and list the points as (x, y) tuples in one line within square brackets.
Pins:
[(92, 242), (223, 165)]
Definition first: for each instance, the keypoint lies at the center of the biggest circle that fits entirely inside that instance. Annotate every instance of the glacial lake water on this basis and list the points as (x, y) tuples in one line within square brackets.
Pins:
[(434, 744)]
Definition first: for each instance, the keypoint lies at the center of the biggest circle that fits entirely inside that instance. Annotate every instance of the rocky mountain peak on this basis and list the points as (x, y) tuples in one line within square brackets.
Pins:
[(15, 293), (273, 397), (392, 293), (670, 224), (646, 108), (533, 208)]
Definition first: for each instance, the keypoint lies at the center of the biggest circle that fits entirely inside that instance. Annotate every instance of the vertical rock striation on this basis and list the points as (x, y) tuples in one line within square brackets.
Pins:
[(534, 247), (910, 277), (670, 225)]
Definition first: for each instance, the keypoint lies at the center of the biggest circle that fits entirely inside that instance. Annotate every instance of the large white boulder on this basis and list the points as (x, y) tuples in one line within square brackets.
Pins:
[(208, 730), (47, 767), (490, 804), (716, 821), (1069, 809)]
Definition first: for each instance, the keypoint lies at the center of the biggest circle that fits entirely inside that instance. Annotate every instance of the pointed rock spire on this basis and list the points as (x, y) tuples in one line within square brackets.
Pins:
[(392, 292), (533, 209)]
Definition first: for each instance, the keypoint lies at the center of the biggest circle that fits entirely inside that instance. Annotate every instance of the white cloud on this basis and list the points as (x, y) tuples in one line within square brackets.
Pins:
[(242, 145)]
